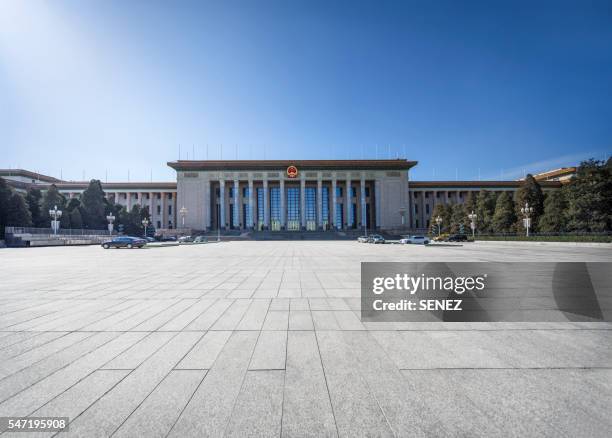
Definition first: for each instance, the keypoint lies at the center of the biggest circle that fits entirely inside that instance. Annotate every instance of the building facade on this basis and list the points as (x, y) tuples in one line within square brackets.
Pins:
[(288, 195), (293, 195)]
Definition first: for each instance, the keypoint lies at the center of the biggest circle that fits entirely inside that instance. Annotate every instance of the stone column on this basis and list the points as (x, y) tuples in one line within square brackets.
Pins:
[(221, 218), (362, 194), (266, 201), (237, 202), (251, 205), (319, 202), (378, 195), (282, 202), (175, 215), (303, 202), (163, 210), (348, 203), (207, 213), (334, 204), (128, 202), (151, 208)]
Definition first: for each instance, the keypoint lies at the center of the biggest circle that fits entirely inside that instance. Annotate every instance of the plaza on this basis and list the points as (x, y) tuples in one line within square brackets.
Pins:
[(263, 338)]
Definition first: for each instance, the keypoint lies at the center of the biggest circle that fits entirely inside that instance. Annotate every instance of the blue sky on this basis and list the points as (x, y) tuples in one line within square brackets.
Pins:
[(100, 88)]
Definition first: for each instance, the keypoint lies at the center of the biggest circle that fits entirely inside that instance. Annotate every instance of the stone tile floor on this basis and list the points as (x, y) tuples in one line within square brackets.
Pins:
[(264, 339)]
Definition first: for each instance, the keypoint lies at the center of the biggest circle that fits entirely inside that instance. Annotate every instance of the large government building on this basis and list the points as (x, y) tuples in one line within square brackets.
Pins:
[(287, 195)]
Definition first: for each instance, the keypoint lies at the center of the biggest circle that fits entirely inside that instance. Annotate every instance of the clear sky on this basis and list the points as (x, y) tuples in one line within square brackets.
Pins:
[(98, 88)]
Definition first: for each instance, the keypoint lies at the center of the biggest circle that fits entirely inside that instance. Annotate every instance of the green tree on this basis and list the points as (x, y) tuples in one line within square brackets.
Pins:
[(589, 197), (485, 208), (33, 199), (554, 219), (504, 217), (94, 206), (18, 214), (445, 212), (76, 221), (52, 198), (5, 195), (529, 192), (458, 218)]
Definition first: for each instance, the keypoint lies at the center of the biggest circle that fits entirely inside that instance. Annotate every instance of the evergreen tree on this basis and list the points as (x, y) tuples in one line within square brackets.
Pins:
[(554, 219), (589, 197), (444, 212), (76, 221), (18, 214), (457, 218), (530, 192), (485, 208), (72, 204), (504, 217), (33, 199), (5, 196), (94, 206), (52, 198)]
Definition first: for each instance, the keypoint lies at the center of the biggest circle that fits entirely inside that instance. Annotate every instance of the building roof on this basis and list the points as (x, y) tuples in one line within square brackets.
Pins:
[(470, 184), (82, 185), (396, 164), (28, 174), (566, 172)]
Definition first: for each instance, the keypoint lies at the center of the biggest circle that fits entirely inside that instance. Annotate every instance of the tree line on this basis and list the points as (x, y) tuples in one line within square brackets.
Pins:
[(584, 204), (88, 211)]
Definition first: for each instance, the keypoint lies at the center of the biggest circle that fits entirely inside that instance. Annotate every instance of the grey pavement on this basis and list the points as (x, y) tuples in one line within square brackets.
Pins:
[(264, 339)]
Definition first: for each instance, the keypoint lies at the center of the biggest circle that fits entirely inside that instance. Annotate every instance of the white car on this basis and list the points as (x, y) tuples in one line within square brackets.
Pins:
[(362, 239), (419, 240)]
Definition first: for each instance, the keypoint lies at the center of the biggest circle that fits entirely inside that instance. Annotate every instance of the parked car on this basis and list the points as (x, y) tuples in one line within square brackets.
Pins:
[(167, 239), (185, 239), (376, 238), (200, 239), (457, 238), (418, 240), (363, 239), (124, 242), (149, 239)]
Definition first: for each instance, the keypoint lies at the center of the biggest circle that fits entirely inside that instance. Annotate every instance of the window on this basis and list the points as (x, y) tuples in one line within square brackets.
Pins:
[(416, 195), (217, 192), (260, 206), (275, 210), (293, 208), (158, 224), (438, 195), (169, 195), (325, 206), (338, 192), (170, 210), (426, 195), (247, 216), (367, 192), (339, 215), (311, 208), (159, 209), (426, 208), (159, 196), (235, 208), (416, 209)]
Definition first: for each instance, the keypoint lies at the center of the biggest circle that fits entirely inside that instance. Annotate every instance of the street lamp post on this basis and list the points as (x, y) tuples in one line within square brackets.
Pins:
[(183, 212), (145, 222), (527, 211), (472, 217), (439, 222), (55, 214), (402, 212), (110, 218)]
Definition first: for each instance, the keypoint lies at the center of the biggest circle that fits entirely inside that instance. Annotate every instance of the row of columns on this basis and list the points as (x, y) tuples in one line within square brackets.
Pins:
[(164, 218), (319, 197)]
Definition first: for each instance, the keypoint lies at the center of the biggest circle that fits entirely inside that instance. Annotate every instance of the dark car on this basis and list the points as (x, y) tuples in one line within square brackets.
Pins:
[(124, 242), (457, 238)]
